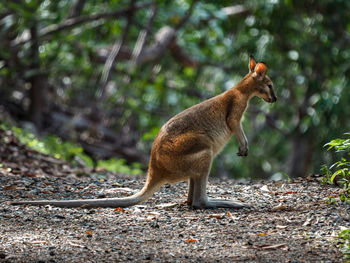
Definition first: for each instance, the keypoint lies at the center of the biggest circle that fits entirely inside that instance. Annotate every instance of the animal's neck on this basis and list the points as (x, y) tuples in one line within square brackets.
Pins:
[(245, 88), (237, 99)]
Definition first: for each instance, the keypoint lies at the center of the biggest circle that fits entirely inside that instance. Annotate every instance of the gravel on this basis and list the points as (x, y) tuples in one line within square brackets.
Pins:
[(291, 221)]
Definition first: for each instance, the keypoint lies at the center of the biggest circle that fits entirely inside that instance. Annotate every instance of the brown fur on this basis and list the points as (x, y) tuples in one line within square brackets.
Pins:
[(187, 144)]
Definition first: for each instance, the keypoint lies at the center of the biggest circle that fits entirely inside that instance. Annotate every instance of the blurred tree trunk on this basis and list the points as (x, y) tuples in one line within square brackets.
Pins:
[(76, 9), (301, 156), (36, 95), (37, 79)]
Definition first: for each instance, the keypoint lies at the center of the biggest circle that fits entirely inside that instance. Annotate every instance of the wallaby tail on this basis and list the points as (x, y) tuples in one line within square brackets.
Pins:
[(144, 194)]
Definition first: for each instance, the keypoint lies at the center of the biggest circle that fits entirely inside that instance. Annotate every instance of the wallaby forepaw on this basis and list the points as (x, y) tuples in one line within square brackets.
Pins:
[(242, 153)]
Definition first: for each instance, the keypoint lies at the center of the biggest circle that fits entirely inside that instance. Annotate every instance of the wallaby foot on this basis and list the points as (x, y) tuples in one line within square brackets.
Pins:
[(197, 195), (219, 203)]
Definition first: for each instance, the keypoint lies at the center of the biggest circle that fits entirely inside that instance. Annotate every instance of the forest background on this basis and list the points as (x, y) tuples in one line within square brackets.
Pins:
[(107, 74)]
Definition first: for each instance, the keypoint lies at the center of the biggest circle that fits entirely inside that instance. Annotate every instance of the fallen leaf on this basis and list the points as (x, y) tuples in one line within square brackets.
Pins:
[(279, 207), (264, 189), (119, 209), (16, 171), (282, 246), (333, 196), (334, 234), (288, 193), (167, 205), (30, 175), (137, 210), (191, 240), (38, 242), (151, 218), (307, 222), (262, 234), (119, 189), (281, 227), (342, 228), (76, 245), (154, 214), (229, 214), (89, 233), (9, 187), (217, 216), (295, 182)]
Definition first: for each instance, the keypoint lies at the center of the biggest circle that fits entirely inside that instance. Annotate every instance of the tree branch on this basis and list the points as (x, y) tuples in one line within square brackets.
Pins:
[(183, 57), (73, 22), (185, 19), (113, 55), (234, 10), (165, 39), (143, 35)]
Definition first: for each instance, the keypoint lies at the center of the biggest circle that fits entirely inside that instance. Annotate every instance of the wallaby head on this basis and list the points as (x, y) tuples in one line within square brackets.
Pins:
[(262, 85)]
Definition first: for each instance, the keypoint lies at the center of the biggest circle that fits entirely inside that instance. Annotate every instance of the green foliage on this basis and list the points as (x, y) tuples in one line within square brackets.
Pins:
[(120, 166), (344, 237), (340, 171), (54, 146), (340, 144)]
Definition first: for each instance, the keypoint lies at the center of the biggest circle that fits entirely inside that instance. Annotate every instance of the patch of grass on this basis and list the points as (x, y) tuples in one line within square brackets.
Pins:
[(52, 145), (71, 152)]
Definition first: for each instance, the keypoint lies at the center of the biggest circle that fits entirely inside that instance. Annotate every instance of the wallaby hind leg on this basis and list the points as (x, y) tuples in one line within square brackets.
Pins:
[(201, 200), (198, 192), (190, 191)]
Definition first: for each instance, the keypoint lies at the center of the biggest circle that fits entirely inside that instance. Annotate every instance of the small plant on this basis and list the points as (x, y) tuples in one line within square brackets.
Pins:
[(344, 237), (339, 172), (120, 166)]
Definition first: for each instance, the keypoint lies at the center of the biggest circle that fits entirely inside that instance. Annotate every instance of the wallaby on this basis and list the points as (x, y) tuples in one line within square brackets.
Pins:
[(187, 144)]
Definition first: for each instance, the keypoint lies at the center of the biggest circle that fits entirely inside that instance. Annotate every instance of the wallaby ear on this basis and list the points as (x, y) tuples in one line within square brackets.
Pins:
[(252, 64), (261, 69)]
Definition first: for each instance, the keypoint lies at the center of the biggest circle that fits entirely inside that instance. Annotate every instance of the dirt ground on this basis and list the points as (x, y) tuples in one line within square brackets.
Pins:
[(290, 222)]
